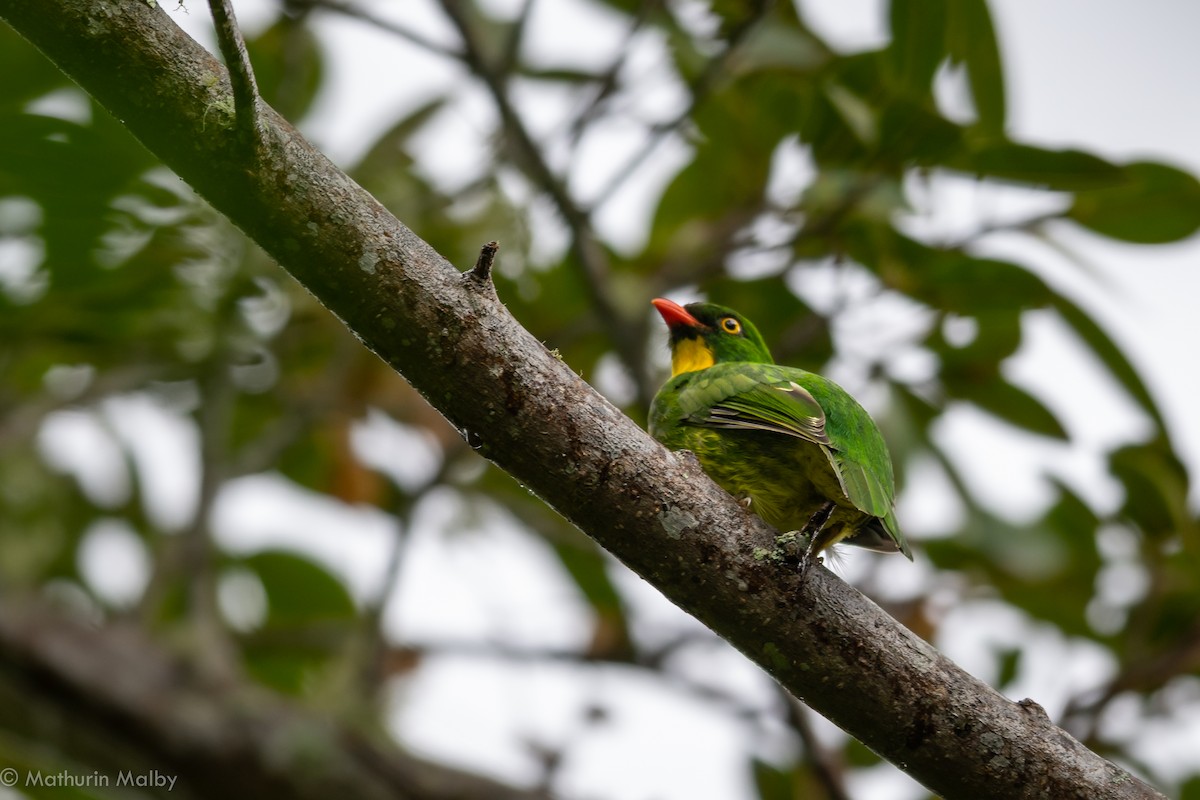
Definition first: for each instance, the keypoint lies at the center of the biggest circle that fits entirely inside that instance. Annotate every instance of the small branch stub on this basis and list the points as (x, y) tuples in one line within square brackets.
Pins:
[(482, 271), (241, 73)]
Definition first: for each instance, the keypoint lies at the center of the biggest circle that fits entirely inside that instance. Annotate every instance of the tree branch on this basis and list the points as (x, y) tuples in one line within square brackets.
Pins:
[(116, 701), (541, 423), (241, 73), (354, 11)]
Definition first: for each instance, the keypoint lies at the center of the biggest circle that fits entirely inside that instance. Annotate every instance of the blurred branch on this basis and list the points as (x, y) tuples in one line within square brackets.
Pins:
[(589, 252), (606, 86), (826, 766), (512, 46), (19, 422), (1145, 674), (107, 696), (1028, 225), (530, 413), (698, 89), (190, 555), (377, 656), (355, 11), (403, 658), (302, 412)]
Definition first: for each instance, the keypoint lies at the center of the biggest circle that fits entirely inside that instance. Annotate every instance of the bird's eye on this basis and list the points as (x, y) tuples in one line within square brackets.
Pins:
[(731, 325)]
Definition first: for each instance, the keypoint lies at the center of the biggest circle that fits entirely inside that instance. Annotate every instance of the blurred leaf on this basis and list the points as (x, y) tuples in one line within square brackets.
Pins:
[(588, 568), (388, 158), (281, 670), (1104, 347), (1009, 403), (971, 39), (299, 589), (1154, 205), (918, 43), (1074, 524), (1010, 664), (775, 45), (856, 114), (1156, 487), (859, 755), (950, 279), (911, 134), (37, 75), (722, 188), (997, 336), (1061, 170), (772, 782), (288, 66)]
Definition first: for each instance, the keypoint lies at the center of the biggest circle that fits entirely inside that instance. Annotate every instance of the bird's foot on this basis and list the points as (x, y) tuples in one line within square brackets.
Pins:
[(812, 530)]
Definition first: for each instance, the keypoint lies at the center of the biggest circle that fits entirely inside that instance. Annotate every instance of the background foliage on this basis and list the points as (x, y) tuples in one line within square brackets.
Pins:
[(155, 365)]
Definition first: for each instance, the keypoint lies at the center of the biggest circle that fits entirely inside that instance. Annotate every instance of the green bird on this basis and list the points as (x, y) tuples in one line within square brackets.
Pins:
[(792, 445)]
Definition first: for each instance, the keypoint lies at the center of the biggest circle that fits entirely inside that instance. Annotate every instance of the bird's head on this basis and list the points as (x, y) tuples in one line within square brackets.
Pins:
[(703, 334)]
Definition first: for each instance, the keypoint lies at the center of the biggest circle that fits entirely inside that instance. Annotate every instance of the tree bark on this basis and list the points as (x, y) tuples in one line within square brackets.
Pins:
[(452, 338)]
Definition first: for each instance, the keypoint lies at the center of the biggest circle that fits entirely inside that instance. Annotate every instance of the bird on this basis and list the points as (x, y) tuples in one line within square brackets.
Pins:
[(791, 445)]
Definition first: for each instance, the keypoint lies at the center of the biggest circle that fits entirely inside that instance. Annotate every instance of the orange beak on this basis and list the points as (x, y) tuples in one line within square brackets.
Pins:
[(674, 314)]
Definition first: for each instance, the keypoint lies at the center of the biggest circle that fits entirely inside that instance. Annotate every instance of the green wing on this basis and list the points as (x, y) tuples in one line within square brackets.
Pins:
[(790, 410), (792, 402)]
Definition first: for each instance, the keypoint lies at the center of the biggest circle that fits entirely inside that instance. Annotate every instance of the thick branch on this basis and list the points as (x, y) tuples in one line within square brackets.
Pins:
[(530, 413), (119, 703)]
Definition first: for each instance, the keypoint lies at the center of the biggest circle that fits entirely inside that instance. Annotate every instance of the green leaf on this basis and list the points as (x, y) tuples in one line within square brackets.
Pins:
[(386, 170), (722, 188), (772, 782), (37, 75), (1010, 664), (857, 115), (299, 589), (1075, 524), (774, 45), (911, 134), (1104, 347), (918, 43), (1061, 170), (1156, 487), (1154, 205), (971, 39), (391, 149), (949, 280), (997, 336), (288, 66), (1010, 403)]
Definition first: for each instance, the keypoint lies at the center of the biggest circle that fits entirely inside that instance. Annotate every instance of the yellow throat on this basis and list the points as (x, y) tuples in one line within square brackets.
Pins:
[(689, 355)]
